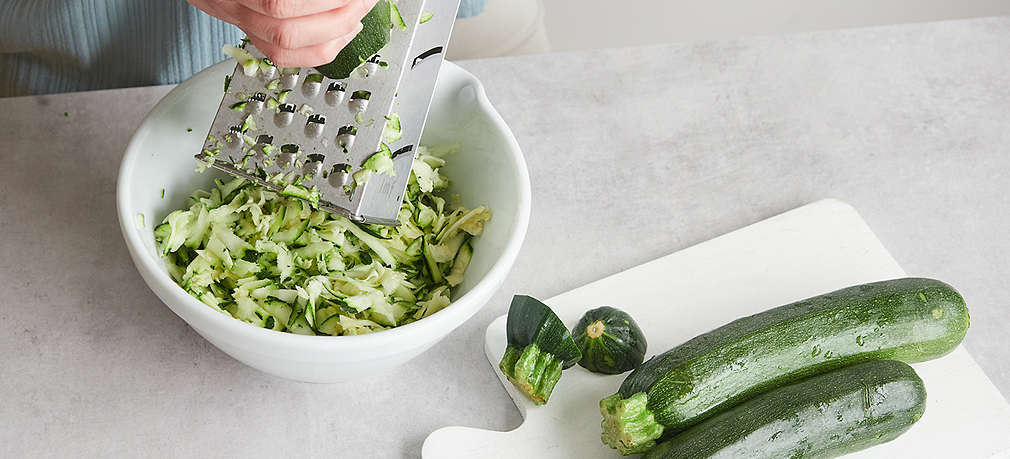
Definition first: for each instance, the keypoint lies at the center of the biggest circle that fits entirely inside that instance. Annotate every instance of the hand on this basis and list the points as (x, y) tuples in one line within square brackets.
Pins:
[(293, 33)]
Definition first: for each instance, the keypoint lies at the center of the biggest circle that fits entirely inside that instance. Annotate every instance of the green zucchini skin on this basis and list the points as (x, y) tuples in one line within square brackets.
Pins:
[(373, 36), (909, 319), (610, 341), (827, 415), (539, 348), (530, 321)]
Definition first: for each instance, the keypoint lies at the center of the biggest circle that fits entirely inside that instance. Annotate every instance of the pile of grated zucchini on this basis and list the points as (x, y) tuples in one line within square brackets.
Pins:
[(275, 262)]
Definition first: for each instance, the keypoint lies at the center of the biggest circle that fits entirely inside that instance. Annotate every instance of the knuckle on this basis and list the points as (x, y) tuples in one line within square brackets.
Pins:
[(277, 8), (283, 34)]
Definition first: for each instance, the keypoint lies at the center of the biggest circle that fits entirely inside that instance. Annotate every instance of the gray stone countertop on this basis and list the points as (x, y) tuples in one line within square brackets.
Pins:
[(634, 153)]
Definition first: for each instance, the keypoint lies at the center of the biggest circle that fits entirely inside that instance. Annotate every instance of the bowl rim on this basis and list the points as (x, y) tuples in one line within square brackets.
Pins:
[(443, 321)]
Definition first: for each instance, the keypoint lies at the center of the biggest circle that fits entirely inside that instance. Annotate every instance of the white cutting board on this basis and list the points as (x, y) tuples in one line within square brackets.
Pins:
[(811, 250)]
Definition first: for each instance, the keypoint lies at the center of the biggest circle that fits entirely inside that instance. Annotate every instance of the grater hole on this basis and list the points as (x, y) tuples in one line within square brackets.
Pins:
[(359, 101), (431, 52), (268, 73), (345, 137), (313, 165), (285, 114), (402, 151), (372, 65), (312, 169), (312, 85), (267, 69), (234, 137), (340, 176), (314, 125), (264, 146), (285, 160), (335, 93), (287, 156), (289, 80), (255, 104)]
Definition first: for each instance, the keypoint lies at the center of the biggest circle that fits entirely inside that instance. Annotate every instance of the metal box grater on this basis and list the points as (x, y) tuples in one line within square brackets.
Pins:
[(321, 132)]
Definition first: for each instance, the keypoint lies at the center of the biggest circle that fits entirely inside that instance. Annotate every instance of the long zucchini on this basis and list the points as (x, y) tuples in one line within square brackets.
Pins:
[(843, 411), (909, 319)]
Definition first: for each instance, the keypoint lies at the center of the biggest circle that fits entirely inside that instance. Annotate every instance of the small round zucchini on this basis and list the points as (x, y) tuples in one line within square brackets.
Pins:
[(610, 341)]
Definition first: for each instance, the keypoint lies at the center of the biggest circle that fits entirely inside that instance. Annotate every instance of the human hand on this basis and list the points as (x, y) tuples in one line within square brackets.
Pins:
[(293, 33)]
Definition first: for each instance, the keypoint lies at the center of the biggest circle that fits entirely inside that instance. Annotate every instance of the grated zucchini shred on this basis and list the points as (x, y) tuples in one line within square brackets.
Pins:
[(275, 261)]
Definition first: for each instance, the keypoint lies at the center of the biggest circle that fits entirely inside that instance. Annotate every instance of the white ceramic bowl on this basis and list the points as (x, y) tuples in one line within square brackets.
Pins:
[(489, 170)]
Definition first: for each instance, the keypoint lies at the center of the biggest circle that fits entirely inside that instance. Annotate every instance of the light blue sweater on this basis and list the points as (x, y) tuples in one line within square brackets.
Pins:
[(50, 46)]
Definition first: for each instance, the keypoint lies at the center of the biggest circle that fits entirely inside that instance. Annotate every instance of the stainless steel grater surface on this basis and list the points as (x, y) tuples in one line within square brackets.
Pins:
[(317, 133)]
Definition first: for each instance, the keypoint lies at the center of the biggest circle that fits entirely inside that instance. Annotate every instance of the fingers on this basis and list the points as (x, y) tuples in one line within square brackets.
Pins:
[(293, 33), (299, 32), (215, 8), (282, 9), (306, 56)]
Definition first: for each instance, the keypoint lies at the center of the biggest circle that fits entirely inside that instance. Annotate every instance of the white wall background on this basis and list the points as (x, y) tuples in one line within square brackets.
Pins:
[(588, 24)]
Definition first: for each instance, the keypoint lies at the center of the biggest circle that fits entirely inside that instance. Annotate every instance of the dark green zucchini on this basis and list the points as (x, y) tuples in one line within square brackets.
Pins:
[(610, 341), (373, 36), (910, 320), (827, 415), (539, 348)]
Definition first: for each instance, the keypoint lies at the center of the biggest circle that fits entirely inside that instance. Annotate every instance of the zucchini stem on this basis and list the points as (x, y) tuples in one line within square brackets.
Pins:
[(532, 371), (628, 425), (595, 329)]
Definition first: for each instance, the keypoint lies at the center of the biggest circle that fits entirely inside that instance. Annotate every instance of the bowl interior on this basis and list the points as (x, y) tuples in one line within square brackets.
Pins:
[(487, 170)]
